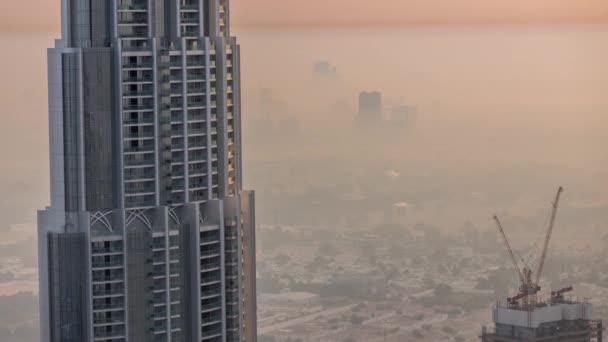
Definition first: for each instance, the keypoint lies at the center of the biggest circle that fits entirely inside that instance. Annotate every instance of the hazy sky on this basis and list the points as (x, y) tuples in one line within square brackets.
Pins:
[(44, 14)]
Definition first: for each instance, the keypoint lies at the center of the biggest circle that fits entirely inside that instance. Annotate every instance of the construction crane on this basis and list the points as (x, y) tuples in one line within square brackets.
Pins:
[(543, 257), (526, 287), (558, 296), (522, 277), (529, 287)]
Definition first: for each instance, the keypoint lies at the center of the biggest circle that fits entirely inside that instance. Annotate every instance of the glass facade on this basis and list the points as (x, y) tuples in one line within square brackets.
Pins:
[(144, 110)]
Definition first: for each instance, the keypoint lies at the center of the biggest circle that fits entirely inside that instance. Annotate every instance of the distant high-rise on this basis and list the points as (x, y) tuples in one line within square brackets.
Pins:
[(149, 235), (324, 70), (370, 108)]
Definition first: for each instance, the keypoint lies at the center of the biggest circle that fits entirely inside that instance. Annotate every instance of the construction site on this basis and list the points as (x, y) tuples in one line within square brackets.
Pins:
[(531, 317)]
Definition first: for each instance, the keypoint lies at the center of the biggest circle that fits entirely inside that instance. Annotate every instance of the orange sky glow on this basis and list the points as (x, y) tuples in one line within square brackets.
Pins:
[(41, 15)]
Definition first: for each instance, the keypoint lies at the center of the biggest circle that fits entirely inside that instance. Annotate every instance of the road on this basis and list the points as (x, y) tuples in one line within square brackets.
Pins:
[(304, 319), (436, 319), (326, 335)]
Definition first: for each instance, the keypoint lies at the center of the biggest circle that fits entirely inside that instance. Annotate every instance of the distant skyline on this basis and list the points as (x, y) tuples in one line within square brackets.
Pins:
[(43, 15)]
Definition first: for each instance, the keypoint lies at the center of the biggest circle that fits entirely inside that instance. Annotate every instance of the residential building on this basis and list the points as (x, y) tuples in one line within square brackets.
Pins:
[(149, 235), (370, 108)]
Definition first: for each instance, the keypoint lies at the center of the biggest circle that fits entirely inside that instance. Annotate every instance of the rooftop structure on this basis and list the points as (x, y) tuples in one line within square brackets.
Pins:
[(558, 320)]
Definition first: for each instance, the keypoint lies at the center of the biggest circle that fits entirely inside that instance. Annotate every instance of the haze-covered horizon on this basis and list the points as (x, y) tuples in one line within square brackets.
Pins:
[(355, 222), (43, 15), (491, 96)]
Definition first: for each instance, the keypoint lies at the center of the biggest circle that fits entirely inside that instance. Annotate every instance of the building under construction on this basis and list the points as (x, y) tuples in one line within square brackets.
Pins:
[(558, 320), (525, 318)]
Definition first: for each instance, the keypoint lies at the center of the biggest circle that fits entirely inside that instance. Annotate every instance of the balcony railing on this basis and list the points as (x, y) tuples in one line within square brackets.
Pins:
[(189, 20), (133, 6), (142, 106), (110, 292), (141, 79), (133, 21), (137, 66), (207, 253), (138, 93)]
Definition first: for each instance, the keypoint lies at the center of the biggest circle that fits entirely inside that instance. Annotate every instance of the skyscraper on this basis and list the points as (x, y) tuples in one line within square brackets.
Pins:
[(370, 109), (149, 235)]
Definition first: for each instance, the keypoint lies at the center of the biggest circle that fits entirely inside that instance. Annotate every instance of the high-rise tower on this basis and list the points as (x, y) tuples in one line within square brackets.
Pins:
[(149, 235), (559, 319), (370, 109)]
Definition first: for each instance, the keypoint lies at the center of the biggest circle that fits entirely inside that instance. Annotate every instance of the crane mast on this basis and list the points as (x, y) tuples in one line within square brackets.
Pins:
[(543, 257), (508, 245)]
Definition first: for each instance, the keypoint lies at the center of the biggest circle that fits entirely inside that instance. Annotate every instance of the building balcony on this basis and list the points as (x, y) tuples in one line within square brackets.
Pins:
[(196, 77), (198, 172), (233, 273), (104, 251), (133, 6), (210, 294), (210, 253), (138, 94), (196, 91), (139, 163), (143, 200), (190, 20), (137, 80), (139, 190), (196, 131), (141, 136), (138, 174), (107, 280), (196, 116), (100, 334), (142, 37), (190, 34), (133, 22), (142, 122), (102, 293), (189, 8), (137, 66), (210, 321), (106, 322), (138, 108), (102, 266), (211, 307)]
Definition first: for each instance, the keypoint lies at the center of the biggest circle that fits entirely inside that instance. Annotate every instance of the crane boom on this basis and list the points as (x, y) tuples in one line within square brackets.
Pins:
[(543, 257), (513, 259)]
